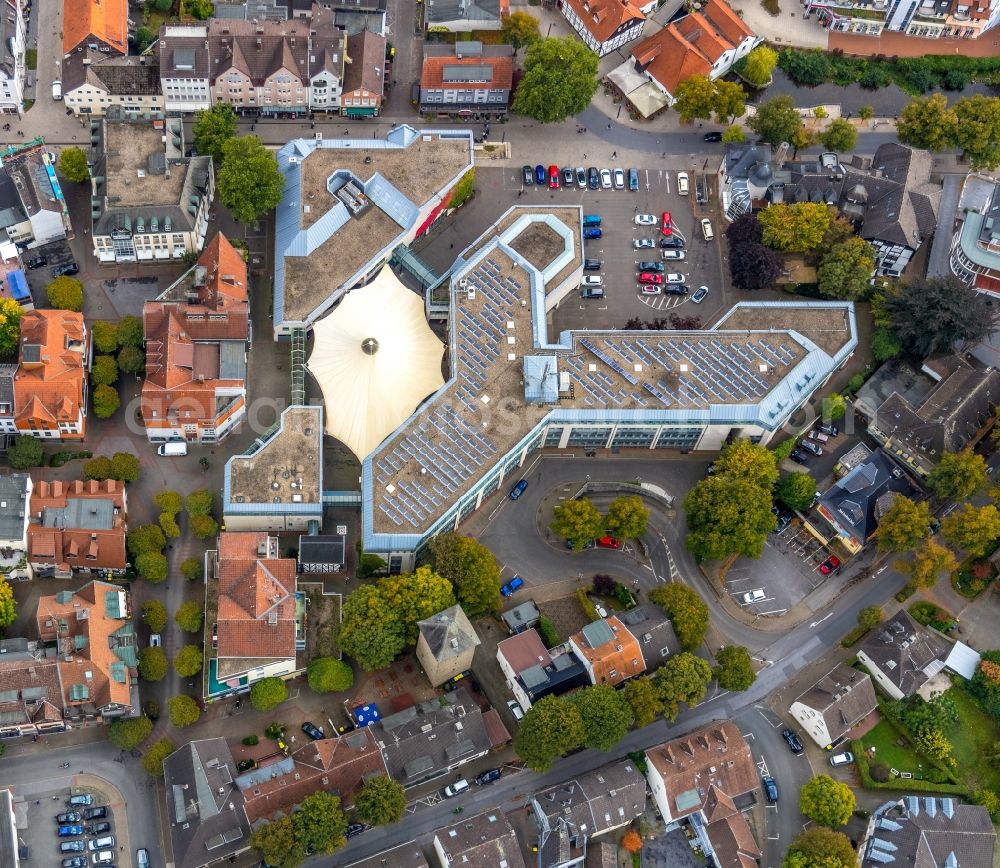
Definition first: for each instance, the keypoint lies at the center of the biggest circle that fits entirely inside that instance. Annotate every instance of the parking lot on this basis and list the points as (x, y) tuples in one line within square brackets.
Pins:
[(39, 834)]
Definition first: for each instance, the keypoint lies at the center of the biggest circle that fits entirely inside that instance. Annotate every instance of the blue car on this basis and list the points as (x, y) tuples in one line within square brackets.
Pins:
[(540, 174), (511, 586), (70, 831), (594, 232), (518, 489)]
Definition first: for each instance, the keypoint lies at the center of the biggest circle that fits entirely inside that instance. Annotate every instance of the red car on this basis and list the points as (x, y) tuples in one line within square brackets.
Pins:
[(609, 542), (553, 177), (667, 224), (829, 565), (650, 277)]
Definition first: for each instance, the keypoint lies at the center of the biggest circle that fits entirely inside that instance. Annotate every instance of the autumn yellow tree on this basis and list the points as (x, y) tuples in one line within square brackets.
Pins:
[(928, 563), (796, 228)]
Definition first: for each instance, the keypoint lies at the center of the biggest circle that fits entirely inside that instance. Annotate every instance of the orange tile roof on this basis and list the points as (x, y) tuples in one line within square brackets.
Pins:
[(726, 21), (49, 383), (67, 547), (83, 628), (621, 655), (503, 71), (256, 613), (603, 17), (105, 19), (699, 32)]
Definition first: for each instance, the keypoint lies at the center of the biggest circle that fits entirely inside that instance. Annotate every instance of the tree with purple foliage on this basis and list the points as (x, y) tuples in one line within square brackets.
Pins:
[(753, 266), (745, 229), (604, 585)]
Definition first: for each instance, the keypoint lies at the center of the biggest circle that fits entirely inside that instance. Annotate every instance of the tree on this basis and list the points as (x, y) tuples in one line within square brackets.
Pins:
[(973, 529), (463, 189), (729, 102), (551, 728), (839, 136), (807, 67), (605, 714), (267, 693), (131, 360), (683, 678), (73, 165), (27, 452), (183, 711), (758, 65), (154, 616), (106, 402), (169, 501), (745, 229), (200, 502), (735, 668), (152, 664), (797, 490), (199, 9), (329, 675), (866, 112), (632, 841), (124, 466), (931, 742), (977, 130), (98, 468), (203, 526), (560, 77), (885, 345), (988, 799), (776, 120), (189, 616), (369, 632), (168, 523), (192, 569), (627, 517), (727, 516), (65, 293), (754, 266), (577, 520), (130, 332), (129, 734), (695, 98), (519, 29), (643, 698), (796, 228), (687, 611), (904, 525), (472, 570), (929, 561), (249, 182), (8, 605), (145, 538), (744, 459), (381, 801), (734, 134), (870, 617), (152, 759), (278, 844), (188, 661), (930, 315), (802, 138), (105, 336), (826, 801), (834, 407), (144, 37), (319, 823), (928, 122), (846, 270), (152, 566), (958, 475), (213, 128), (10, 325), (820, 847)]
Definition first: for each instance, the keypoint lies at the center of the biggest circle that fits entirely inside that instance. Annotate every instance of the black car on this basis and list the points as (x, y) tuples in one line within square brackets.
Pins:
[(528, 176), (98, 813), (829, 430), (784, 518), (98, 828), (650, 266), (68, 817), (770, 790), (675, 289), (75, 862), (798, 456), (593, 264), (79, 846), (65, 268), (567, 174), (354, 829), (312, 731), (672, 242), (593, 178), (37, 262), (488, 776), (589, 544), (792, 737), (712, 137)]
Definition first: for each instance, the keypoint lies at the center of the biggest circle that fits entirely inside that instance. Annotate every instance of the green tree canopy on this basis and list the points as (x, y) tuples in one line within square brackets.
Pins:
[(189, 616), (381, 801), (124, 466), (927, 563), (904, 525), (152, 759), (846, 270), (958, 475), (199, 9), (551, 728), (99, 468), (188, 661), (519, 29), (840, 135), (249, 182), (797, 490), (757, 66), (10, 326), (695, 98), (776, 120), (129, 734), (131, 360), (834, 407), (152, 664), (930, 315), (65, 293), (267, 693), (606, 716), (169, 501), (683, 678), (735, 668), (192, 569), (203, 526), (643, 697), (183, 711), (329, 675), (578, 520), (106, 402), (687, 611), (319, 823), (727, 516), (278, 844), (730, 101), (870, 617), (26, 452), (152, 566), (928, 122), (105, 335), (73, 165), (154, 615), (734, 134), (820, 847), (144, 37), (826, 801), (200, 502), (213, 128), (8, 605), (977, 130), (795, 228), (130, 332), (973, 529), (472, 570), (145, 538), (560, 77), (370, 632), (627, 517)]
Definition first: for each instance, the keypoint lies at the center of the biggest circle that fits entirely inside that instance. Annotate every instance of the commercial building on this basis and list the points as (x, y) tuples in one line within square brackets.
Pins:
[(149, 202), (464, 16), (975, 248), (197, 334), (31, 695), (930, 19), (98, 84), (33, 209), (446, 644), (97, 25), (467, 79), (15, 496), (13, 69), (607, 25), (835, 704), (364, 75)]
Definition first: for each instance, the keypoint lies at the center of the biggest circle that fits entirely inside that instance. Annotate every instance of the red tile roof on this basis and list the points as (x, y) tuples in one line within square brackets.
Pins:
[(622, 655), (603, 17), (503, 72), (105, 19), (524, 650), (67, 547)]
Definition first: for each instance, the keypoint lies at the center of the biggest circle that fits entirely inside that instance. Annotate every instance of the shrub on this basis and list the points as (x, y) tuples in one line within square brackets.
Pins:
[(192, 569), (329, 675), (905, 594), (27, 452), (267, 693), (604, 585), (250, 740), (274, 730), (880, 772), (151, 708), (547, 630), (586, 605)]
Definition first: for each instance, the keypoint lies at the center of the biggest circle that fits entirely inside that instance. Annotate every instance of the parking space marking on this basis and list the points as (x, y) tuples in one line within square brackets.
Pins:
[(762, 767), (764, 712)]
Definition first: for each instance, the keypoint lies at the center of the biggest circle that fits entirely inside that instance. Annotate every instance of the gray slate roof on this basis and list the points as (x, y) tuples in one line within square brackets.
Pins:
[(654, 633), (486, 839), (13, 505), (448, 634), (905, 652), (844, 696), (439, 11)]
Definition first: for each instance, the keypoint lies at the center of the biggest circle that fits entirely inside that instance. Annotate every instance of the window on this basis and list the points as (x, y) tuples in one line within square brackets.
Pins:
[(613, 673)]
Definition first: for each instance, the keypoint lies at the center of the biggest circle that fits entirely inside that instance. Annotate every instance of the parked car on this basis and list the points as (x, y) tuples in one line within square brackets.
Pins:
[(313, 731), (672, 242), (527, 176), (591, 220), (142, 858), (105, 843), (829, 565), (674, 277), (567, 176), (73, 830), (650, 266), (508, 589), (456, 789), (619, 176), (645, 220), (754, 596), (518, 489), (592, 280), (842, 759), (712, 137), (675, 289), (68, 817), (589, 544), (829, 430), (104, 857), (82, 799), (818, 436), (591, 233), (643, 243), (650, 277), (155, 640), (79, 846), (798, 456), (792, 738), (75, 862), (593, 178), (706, 229), (466, 677), (37, 262), (515, 709), (770, 790), (553, 177), (488, 776), (667, 223), (65, 268), (784, 518), (672, 254), (592, 292), (539, 174), (700, 294), (809, 446), (593, 264), (609, 542), (649, 289), (682, 183), (606, 182), (581, 177), (354, 829), (98, 813), (633, 180), (99, 828)]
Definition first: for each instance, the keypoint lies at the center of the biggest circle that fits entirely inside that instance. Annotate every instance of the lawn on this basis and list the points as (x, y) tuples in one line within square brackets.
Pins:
[(973, 739), (883, 738)]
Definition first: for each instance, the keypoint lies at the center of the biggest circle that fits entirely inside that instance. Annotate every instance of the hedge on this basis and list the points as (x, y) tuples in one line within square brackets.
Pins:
[(899, 784), (855, 636), (588, 607)]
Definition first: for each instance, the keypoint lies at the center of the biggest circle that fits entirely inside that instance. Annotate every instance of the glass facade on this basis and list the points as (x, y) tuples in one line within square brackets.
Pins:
[(595, 438), (678, 438), (633, 438), (553, 436)]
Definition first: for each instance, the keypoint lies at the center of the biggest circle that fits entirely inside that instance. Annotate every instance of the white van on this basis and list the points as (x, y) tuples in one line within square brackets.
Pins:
[(456, 789), (173, 448), (57, 89), (706, 229)]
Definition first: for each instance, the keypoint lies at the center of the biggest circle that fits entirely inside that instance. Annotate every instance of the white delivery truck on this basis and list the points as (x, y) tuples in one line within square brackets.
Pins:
[(173, 448)]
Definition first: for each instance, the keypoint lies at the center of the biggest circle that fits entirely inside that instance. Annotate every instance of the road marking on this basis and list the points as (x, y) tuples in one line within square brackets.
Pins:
[(821, 620), (762, 767), (749, 735)]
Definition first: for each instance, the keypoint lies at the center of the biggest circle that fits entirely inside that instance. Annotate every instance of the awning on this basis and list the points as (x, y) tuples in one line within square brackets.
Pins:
[(648, 99), (360, 112)]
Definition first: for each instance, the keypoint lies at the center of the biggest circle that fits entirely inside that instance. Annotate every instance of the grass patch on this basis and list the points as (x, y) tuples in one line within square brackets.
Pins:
[(31, 58), (885, 738), (973, 739)]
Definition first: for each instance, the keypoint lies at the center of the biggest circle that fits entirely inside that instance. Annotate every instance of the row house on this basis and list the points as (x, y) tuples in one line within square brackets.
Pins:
[(33, 209), (364, 75), (928, 19), (467, 80), (95, 25), (12, 65), (97, 84), (607, 25), (15, 495)]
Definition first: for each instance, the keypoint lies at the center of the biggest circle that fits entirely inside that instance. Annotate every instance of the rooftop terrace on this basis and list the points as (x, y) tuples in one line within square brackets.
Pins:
[(132, 177)]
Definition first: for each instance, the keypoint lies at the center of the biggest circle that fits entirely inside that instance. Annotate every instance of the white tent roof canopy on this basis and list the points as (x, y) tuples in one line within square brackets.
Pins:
[(375, 359)]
